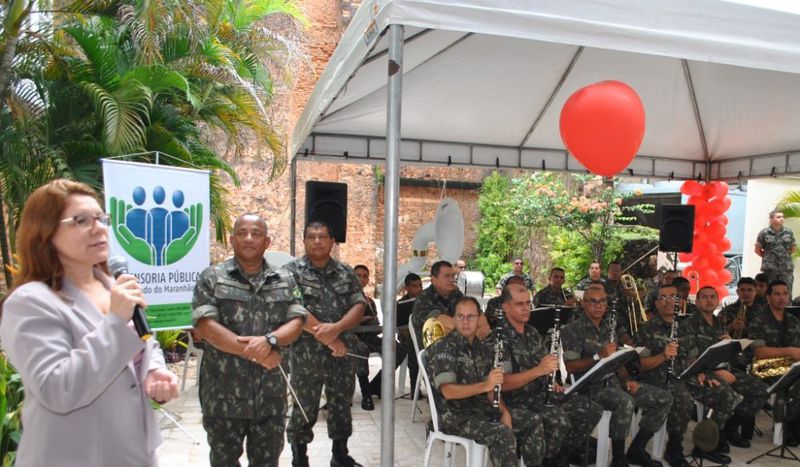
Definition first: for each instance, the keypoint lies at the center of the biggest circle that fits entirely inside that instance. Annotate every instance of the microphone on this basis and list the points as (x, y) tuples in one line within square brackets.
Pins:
[(119, 265)]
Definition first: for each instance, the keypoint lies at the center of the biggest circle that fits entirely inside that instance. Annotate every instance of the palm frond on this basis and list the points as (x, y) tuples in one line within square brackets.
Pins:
[(122, 114)]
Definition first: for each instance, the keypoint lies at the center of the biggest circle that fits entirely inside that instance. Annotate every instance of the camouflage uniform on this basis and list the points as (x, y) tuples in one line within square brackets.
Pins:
[(430, 305), (364, 343), (654, 336), (587, 281), (328, 294), (753, 390), (550, 296), (776, 261), (728, 316), (575, 416), (525, 277), (765, 330), (453, 360), (241, 399), (581, 339)]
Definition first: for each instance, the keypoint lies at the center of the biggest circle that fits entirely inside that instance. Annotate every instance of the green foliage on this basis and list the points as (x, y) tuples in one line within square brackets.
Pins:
[(790, 206), (11, 397), (171, 339), (579, 215)]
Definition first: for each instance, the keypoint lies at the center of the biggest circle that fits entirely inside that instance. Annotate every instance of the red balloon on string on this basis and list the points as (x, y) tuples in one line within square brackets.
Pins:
[(721, 189), (724, 245), (602, 125), (715, 229), (691, 188)]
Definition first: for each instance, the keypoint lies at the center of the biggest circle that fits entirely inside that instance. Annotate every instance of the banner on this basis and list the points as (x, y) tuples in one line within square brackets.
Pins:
[(159, 223)]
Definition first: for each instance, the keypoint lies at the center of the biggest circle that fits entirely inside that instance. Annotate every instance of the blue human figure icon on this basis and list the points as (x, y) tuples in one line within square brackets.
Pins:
[(136, 218), (177, 220), (157, 225)]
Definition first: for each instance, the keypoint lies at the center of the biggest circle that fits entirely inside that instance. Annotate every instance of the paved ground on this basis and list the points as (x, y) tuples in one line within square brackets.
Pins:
[(179, 450)]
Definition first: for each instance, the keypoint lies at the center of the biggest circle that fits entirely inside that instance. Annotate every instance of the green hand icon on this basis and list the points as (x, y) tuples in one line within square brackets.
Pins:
[(134, 246), (177, 249)]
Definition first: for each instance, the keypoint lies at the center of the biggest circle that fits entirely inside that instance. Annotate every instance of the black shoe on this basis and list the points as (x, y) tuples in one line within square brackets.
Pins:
[(367, 404), (713, 456), (674, 453), (619, 462), (341, 457), (723, 446), (641, 457), (345, 462), (299, 456), (735, 440)]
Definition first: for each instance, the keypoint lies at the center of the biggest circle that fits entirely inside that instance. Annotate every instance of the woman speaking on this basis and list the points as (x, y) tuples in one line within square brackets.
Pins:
[(88, 377)]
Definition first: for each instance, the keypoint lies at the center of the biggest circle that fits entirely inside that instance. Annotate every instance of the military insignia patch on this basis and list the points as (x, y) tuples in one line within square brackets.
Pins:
[(297, 294)]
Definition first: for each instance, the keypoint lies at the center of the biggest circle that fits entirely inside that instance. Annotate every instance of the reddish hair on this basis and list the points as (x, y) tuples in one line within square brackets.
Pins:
[(41, 217)]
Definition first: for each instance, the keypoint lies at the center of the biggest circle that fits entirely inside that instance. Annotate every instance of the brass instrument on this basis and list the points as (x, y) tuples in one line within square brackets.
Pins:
[(567, 294), (741, 314), (694, 276), (770, 367), (432, 331), (629, 284)]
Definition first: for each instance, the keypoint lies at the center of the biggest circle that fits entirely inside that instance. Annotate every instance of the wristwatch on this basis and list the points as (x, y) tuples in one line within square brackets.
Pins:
[(273, 341), (596, 357)]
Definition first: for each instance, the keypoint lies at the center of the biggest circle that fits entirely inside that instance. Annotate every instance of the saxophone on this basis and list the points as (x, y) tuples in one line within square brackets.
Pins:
[(770, 367)]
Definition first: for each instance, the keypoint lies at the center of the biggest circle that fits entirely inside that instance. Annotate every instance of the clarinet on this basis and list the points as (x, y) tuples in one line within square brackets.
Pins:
[(612, 323), (555, 345), (498, 362), (673, 337)]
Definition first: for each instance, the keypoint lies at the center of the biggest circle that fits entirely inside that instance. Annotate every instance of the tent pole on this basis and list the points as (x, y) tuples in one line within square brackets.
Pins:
[(390, 215)]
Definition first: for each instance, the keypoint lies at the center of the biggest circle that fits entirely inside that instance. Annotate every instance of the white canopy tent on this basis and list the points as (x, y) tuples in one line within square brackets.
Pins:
[(482, 82)]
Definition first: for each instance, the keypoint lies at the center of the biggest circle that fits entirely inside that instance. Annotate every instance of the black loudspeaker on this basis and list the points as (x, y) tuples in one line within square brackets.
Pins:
[(676, 230), (327, 202)]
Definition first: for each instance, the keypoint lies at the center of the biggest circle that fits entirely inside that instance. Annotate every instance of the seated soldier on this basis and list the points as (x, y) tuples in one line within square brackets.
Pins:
[(554, 293)]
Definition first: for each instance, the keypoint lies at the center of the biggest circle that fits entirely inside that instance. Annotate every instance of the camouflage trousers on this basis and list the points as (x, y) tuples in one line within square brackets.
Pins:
[(263, 439), (502, 441), (363, 345), (786, 275), (681, 410), (555, 425), (754, 392), (567, 422), (336, 375), (654, 404), (616, 400), (723, 399)]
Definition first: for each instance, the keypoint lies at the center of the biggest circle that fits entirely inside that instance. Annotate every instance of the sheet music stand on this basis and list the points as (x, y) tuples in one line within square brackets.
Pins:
[(542, 318), (781, 390)]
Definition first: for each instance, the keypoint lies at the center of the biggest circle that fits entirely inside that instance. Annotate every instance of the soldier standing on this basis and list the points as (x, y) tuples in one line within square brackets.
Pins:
[(595, 277), (247, 312), (664, 359), (776, 334), (461, 369), (335, 304), (775, 245), (517, 269), (588, 339), (709, 330), (525, 384)]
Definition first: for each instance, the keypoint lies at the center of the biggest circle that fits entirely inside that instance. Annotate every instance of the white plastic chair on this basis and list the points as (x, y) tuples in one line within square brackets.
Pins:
[(418, 382), (476, 454), (191, 349)]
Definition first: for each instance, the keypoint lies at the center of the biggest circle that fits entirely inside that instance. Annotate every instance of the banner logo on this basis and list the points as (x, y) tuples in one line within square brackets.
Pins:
[(156, 233)]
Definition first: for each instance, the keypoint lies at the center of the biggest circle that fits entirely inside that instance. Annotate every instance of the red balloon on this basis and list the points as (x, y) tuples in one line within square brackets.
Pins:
[(722, 291), (709, 277), (696, 200), (685, 257), (716, 208), (715, 230), (724, 244), (721, 189), (726, 201), (602, 125), (717, 262), (725, 276), (691, 188), (709, 190), (700, 262)]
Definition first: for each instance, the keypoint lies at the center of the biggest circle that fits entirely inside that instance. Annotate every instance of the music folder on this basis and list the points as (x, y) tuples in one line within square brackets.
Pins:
[(787, 380), (721, 352), (604, 367), (542, 318)]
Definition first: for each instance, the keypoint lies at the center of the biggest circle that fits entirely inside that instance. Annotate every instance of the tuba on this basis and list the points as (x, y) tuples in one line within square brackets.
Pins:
[(432, 331), (770, 367)]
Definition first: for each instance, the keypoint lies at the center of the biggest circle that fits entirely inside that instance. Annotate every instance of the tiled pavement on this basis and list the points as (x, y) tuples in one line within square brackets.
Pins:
[(179, 450)]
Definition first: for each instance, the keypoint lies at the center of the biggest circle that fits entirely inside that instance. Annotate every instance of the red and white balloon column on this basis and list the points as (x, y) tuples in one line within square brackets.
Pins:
[(711, 202)]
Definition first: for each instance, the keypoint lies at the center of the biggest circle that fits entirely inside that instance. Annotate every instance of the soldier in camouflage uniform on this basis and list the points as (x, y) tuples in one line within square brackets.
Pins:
[(525, 384), (587, 340), (775, 244), (439, 301), (746, 291), (247, 312), (684, 287), (665, 277), (709, 330), (554, 293), (335, 303), (517, 270), (761, 290), (494, 306), (365, 343), (776, 334), (594, 277), (654, 336), (461, 369)]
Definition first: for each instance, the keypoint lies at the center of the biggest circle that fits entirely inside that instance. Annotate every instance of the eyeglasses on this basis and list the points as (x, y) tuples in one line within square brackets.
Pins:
[(664, 298), (468, 318), (85, 221), (594, 301)]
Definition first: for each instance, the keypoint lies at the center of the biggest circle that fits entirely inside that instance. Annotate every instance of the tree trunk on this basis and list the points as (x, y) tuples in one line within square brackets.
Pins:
[(4, 243), (12, 30)]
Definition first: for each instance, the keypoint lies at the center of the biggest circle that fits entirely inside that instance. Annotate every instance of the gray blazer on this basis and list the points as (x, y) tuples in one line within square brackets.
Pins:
[(82, 371)]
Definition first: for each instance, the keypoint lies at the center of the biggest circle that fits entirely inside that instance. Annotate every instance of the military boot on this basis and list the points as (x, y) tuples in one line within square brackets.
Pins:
[(299, 456), (341, 455), (748, 424), (618, 453), (366, 393), (674, 452), (731, 432), (637, 454)]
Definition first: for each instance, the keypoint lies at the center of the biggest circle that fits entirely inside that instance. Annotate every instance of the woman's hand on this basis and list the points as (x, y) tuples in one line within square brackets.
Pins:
[(126, 293), (161, 385)]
